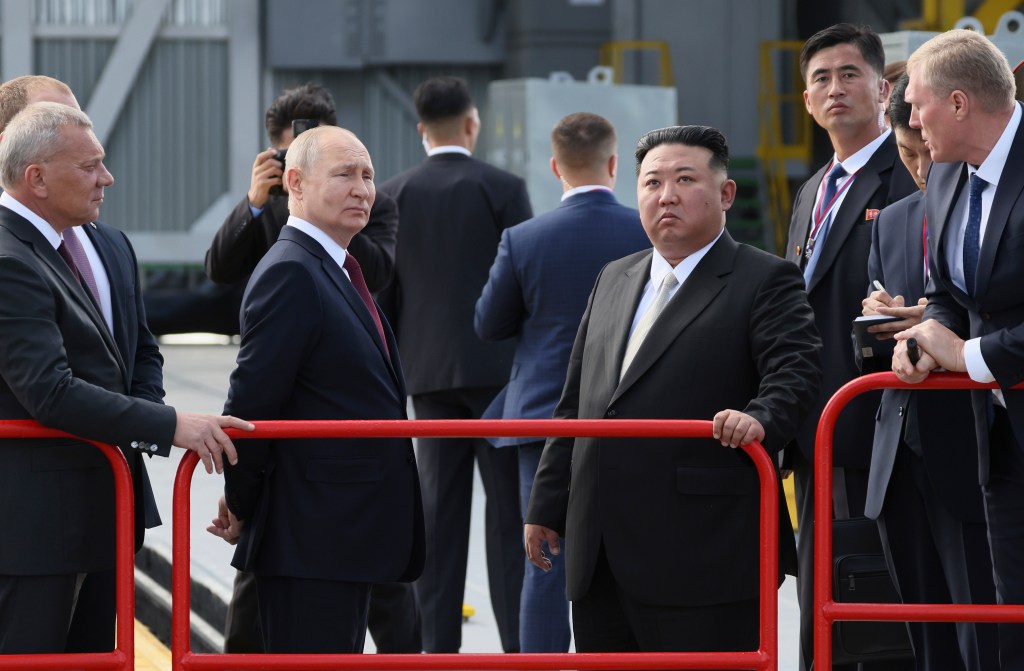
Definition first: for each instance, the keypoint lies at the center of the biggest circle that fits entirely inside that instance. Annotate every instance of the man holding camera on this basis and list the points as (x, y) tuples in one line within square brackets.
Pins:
[(242, 240)]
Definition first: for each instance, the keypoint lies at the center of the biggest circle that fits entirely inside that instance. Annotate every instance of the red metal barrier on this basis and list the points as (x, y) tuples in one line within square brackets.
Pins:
[(123, 656), (764, 658), (827, 611)]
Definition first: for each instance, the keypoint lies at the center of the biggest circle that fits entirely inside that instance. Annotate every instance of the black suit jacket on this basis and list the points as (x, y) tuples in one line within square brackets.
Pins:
[(943, 421), (242, 240), (454, 209), (329, 509), (995, 312), (678, 519), (836, 290), (61, 366)]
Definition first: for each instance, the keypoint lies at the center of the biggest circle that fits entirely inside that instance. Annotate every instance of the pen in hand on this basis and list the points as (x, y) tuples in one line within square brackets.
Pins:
[(913, 351), (878, 285)]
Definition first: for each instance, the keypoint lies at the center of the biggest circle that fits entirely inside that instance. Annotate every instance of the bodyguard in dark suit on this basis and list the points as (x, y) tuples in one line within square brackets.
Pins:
[(829, 238), (536, 293), (454, 209), (251, 228), (921, 486), (322, 520), (962, 92), (62, 365), (735, 342)]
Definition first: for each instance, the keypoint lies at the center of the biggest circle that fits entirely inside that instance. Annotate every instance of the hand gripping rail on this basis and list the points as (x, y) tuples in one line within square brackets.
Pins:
[(826, 610), (764, 658), (123, 656)]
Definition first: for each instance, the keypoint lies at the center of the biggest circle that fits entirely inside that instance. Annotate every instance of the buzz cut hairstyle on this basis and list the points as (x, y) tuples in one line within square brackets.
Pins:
[(708, 137), (583, 141)]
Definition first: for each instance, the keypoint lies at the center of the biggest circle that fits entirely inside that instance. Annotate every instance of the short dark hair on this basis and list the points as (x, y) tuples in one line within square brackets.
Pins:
[(866, 40), (693, 136), (583, 141), (442, 98), (308, 101), (899, 108)]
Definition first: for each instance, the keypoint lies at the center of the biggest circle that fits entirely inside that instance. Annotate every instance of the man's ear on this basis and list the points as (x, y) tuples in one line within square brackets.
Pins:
[(554, 168), (961, 104), (884, 89), (421, 129), (293, 180), (35, 180), (728, 194), (613, 165)]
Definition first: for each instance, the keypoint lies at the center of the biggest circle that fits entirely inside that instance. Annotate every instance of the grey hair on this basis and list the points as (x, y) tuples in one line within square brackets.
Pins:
[(33, 136)]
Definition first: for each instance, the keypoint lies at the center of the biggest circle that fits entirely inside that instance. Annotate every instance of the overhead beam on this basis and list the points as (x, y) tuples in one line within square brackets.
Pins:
[(16, 46)]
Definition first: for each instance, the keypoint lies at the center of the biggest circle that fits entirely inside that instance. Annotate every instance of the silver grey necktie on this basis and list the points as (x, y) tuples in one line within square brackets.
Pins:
[(647, 321)]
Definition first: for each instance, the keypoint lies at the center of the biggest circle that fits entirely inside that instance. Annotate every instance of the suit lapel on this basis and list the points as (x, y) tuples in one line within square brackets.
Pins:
[(117, 280), (914, 266), (625, 295), (700, 288), (1011, 184), (945, 182), (801, 224)]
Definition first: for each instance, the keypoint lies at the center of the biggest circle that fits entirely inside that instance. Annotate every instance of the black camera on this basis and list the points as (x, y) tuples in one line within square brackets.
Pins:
[(299, 126)]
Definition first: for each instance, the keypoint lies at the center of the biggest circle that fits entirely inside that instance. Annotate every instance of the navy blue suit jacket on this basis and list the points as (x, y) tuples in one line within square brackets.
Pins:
[(537, 292), (995, 311), (328, 509), (944, 420)]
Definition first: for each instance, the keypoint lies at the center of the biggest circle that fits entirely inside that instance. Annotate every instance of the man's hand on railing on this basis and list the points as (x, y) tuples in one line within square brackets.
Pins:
[(939, 347), (204, 435), (225, 524), (734, 428), (534, 536)]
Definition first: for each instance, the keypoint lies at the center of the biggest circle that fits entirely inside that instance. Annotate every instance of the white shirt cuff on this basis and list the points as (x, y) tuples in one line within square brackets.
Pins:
[(977, 369)]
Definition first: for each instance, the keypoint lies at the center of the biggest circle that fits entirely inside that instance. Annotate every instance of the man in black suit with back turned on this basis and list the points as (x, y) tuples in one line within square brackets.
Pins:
[(829, 238), (922, 488), (454, 209), (239, 244), (699, 328), (323, 519), (962, 92), (63, 364)]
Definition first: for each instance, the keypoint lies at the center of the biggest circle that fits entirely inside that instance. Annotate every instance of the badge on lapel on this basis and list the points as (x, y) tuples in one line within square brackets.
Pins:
[(870, 215)]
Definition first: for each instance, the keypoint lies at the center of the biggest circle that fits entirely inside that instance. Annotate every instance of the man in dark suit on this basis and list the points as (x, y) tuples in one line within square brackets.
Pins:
[(735, 342), (921, 486), (454, 209), (239, 244), (63, 364), (536, 293), (962, 91), (314, 346), (829, 238)]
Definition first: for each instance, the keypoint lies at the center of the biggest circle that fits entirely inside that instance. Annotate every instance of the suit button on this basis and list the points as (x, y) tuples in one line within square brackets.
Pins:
[(900, 413), (612, 413), (153, 448), (135, 444)]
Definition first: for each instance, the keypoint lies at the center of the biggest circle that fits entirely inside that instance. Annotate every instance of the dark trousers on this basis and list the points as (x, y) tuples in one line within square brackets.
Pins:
[(936, 557), (544, 610), (852, 485), (393, 621), (607, 619), (446, 481), (299, 615), (1004, 507), (59, 613)]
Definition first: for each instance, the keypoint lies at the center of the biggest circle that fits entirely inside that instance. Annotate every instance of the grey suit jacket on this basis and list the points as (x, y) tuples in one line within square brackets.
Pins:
[(61, 366), (737, 334)]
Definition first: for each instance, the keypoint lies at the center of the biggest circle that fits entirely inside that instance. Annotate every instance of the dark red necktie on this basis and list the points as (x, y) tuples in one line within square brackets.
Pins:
[(355, 273)]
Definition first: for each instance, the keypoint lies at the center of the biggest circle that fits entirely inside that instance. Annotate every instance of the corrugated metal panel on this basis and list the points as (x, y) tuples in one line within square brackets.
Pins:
[(78, 63), (204, 13), (368, 107), (169, 149)]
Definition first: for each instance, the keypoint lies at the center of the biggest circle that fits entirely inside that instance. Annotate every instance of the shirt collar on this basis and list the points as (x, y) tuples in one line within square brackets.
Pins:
[(12, 204), (660, 267), (333, 249), (991, 168), (586, 188), (449, 149), (859, 159)]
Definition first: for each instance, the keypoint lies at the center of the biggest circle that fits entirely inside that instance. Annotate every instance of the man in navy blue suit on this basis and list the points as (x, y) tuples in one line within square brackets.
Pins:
[(537, 293), (322, 520)]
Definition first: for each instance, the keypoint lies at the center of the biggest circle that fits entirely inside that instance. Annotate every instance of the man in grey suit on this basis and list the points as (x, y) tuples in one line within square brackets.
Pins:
[(962, 91), (61, 366), (699, 328), (454, 208), (921, 486), (536, 293)]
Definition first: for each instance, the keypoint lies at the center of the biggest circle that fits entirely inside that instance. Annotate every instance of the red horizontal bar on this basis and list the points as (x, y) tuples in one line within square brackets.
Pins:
[(92, 661), (924, 612)]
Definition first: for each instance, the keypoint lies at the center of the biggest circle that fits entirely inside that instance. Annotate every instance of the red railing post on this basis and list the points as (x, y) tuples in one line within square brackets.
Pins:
[(826, 610), (123, 655), (766, 657)]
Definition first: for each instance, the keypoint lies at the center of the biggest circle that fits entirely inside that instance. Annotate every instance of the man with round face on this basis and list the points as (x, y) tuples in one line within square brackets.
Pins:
[(963, 95), (829, 238), (700, 327), (315, 346)]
